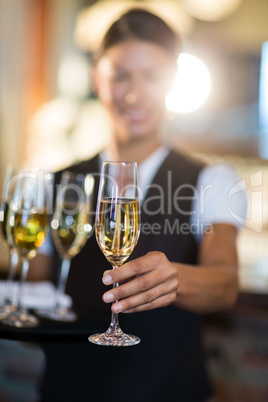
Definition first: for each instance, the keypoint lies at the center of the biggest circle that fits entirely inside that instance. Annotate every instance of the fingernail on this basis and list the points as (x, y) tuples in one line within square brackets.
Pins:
[(118, 308), (108, 297), (107, 279)]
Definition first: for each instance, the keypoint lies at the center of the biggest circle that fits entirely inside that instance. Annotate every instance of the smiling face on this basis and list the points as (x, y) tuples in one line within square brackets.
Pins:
[(131, 80)]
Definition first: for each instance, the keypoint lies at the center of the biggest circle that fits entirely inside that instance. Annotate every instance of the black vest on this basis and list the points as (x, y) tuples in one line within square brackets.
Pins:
[(168, 364)]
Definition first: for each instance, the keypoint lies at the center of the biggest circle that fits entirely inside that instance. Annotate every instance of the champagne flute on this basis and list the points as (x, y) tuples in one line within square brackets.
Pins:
[(117, 232), (7, 305), (28, 225), (71, 227)]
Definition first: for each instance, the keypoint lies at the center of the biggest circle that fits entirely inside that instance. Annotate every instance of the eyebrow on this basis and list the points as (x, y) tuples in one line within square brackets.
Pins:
[(151, 68)]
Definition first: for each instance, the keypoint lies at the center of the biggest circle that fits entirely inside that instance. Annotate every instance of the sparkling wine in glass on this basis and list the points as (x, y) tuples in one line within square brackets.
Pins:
[(28, 224), (71, 227), (7, 305), (117, 232)]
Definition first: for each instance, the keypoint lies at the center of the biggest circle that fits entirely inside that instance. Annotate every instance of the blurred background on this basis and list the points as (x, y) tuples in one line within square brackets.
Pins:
[(49, 117)]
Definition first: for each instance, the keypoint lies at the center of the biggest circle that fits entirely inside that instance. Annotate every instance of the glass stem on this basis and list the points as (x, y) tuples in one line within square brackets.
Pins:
[(23, 276), (114, 325), (64, 272), (13, 262)]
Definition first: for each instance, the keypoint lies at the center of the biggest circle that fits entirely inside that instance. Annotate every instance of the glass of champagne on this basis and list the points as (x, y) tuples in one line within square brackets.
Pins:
[(117, 231), (7, 305), (71, 227), (28, 225)]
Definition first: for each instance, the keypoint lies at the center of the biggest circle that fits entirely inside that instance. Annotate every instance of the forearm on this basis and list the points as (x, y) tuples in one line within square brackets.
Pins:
[(206, 289)]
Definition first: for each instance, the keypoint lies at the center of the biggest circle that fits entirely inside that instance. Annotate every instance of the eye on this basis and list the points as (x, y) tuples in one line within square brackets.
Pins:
[(120, 76), (154, 76)]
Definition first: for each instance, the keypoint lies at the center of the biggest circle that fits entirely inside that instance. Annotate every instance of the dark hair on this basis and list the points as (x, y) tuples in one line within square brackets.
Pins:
[(138, 23)]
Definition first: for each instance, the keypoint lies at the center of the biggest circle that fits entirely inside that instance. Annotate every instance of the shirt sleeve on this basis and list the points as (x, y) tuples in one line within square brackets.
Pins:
[(219, 199)]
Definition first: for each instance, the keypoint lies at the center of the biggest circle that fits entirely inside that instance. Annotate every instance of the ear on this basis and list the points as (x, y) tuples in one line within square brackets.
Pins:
[(94, 73)]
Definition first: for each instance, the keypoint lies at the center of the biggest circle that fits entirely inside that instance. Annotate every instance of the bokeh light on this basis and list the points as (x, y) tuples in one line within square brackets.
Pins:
[(192, 85)]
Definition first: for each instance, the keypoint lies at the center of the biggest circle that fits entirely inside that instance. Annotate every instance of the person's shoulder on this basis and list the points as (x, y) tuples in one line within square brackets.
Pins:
[(185, 160), (220, 171), (86, 166)]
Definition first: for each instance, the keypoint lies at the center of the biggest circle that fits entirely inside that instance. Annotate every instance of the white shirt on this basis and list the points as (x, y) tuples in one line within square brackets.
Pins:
[(213, 201)]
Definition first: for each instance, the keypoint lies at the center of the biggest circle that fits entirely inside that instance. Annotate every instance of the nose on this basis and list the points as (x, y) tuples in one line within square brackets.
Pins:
[(135, 92), (130, 98)]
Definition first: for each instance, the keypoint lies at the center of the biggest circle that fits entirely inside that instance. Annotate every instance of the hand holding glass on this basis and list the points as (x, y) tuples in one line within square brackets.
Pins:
[(117, 231)]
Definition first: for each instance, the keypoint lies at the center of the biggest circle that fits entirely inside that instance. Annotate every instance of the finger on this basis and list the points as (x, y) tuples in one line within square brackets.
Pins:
[(142, 283), (134, 268), (107, 271), (162, 301), (137, 285), (146, 298)]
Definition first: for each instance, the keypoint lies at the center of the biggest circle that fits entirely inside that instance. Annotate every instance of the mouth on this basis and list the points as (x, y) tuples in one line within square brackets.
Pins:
[(136, 115)]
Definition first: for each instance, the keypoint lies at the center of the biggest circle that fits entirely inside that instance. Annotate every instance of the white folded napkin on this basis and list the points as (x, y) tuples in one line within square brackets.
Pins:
[(35, 294)]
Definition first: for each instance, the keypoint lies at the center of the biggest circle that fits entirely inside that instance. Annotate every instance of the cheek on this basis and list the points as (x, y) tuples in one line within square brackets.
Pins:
[(157, 92), (105, 94), (157, 98), (118, 92), (111, 94)]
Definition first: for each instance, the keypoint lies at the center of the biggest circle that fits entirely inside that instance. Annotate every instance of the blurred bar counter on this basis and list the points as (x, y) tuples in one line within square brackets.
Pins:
[(236, 342)]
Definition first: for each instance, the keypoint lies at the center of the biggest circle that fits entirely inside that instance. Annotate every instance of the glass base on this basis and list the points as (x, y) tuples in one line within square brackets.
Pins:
[(6, 310), (20, 319), (114, 339), (57, 314)]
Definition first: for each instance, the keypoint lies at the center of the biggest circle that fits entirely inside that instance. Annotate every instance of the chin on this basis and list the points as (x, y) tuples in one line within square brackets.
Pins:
[(140, 131), (135, 136)]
